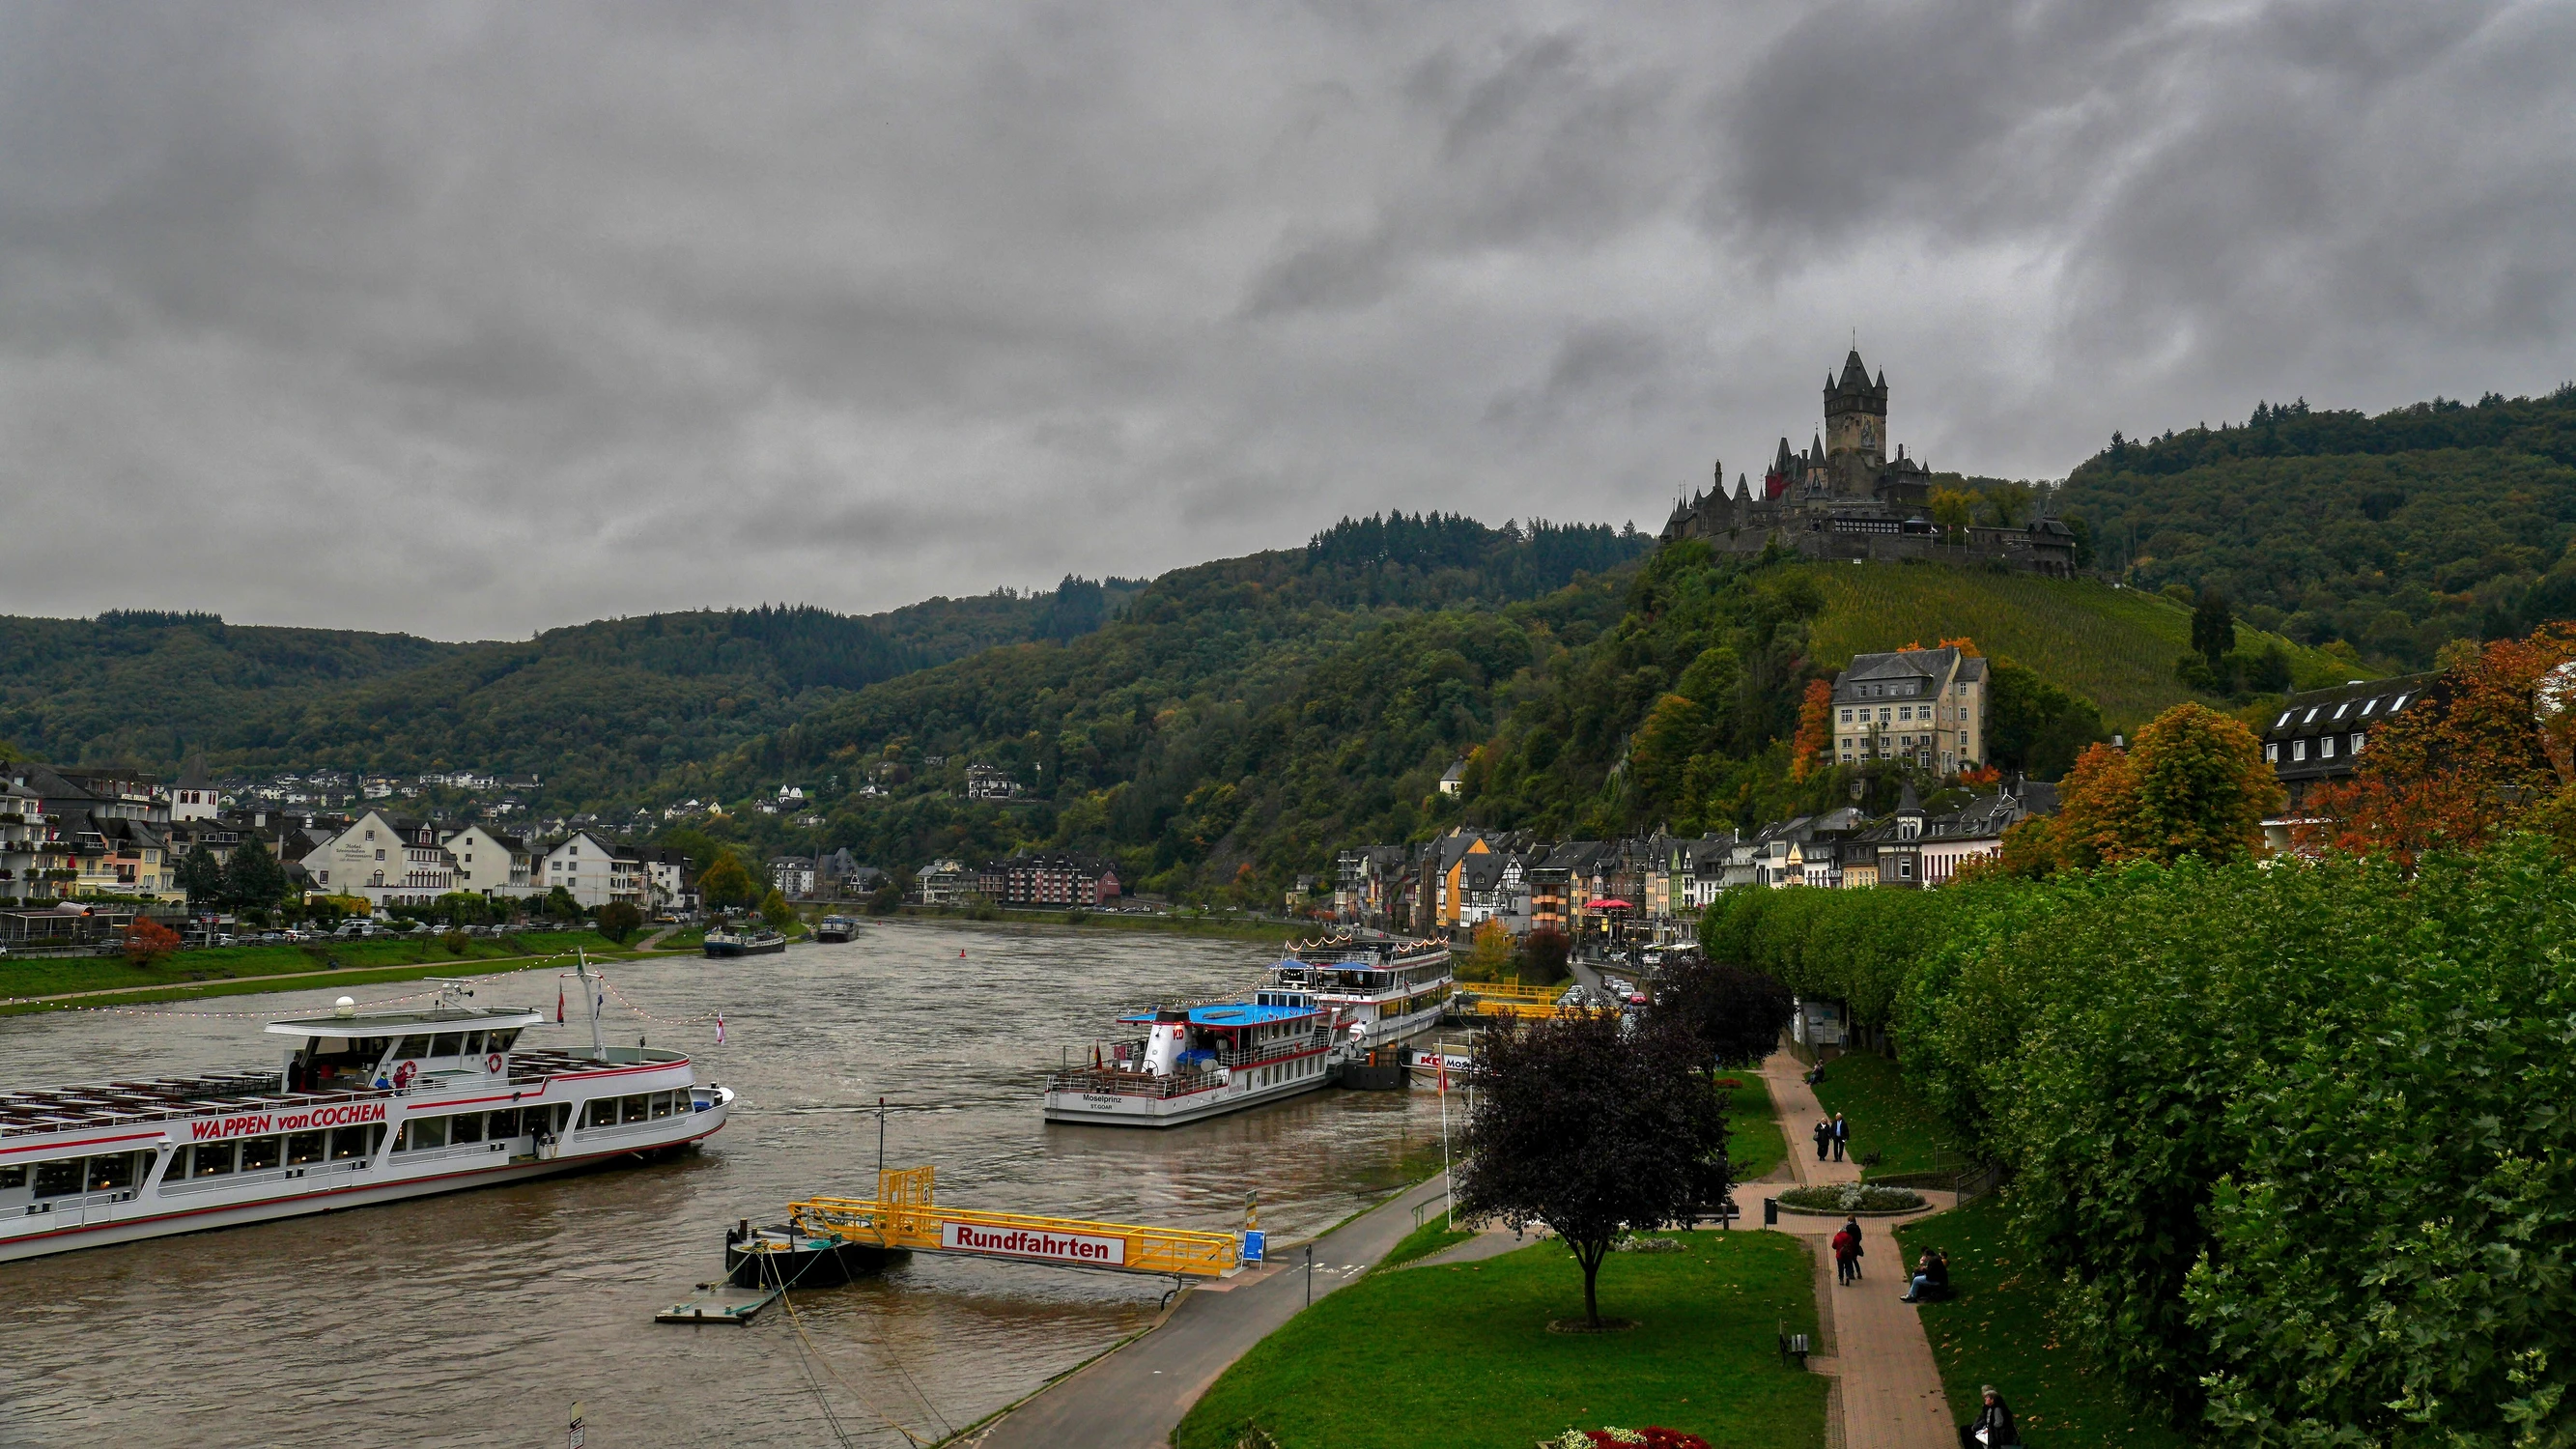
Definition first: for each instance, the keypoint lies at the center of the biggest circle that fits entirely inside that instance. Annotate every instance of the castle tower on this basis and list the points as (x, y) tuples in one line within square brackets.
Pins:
[(1856, 419)]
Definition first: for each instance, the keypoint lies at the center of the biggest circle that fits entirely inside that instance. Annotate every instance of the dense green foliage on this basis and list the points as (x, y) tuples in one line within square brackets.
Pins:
[(1458, 1356), (2398, 532), (1239, 722), (2292, 1138), (596, 710)]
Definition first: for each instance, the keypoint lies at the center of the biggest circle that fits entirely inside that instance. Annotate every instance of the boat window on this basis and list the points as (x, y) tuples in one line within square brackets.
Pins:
[(348, 1142), (500, 1041), (59, 1179), (661, 1104), (258, 1154), (448, 1044), (502, 1125), (12, 1177), (428, 1132), (601, 1112), (637, 1107), (303, 1147), (111, 1171), (213, 1159), (474, 1043), (465, 1127), (414, 1046)]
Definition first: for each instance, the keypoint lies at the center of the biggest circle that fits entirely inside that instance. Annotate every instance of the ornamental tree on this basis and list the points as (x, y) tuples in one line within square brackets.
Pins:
[(1595, 1131), (1734, 1013), (147, 941), (726, 885)]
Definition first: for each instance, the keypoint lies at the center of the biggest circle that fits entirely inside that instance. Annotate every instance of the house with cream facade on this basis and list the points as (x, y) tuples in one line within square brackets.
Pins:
[(385, 860), (489, 863), (1924, 707)]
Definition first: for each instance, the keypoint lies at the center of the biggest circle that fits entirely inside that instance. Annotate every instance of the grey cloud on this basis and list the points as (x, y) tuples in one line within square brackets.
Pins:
[(470, 318)]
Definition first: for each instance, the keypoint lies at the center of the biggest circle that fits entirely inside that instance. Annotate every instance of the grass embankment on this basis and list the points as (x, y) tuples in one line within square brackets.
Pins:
[(1434, 1235), (1754, 1146), (2115, 647), (1885, 1116), (1458, 1356), (236, 970), (1997, 1332)]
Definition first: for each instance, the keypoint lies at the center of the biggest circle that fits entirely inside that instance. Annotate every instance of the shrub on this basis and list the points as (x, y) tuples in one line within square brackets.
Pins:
[(1853, 1197), (619, 920)]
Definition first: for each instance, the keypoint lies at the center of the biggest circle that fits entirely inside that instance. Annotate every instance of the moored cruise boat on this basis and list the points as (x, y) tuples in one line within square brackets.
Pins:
[(1196, 1062), (1378, 989), (368, 1107)]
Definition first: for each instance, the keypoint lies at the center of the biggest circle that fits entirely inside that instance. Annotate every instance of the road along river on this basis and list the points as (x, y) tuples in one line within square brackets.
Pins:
[(480, 1318)]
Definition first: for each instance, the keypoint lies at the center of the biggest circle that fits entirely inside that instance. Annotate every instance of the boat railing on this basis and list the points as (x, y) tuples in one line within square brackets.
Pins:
[(1113, 1081), (1271, 1051)]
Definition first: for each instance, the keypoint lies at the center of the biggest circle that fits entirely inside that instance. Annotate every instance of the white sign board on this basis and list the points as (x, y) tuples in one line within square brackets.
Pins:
[(1038, 1243)]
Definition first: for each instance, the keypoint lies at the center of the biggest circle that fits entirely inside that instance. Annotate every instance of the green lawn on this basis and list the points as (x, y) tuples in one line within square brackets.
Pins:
[(1753, 1142), (1997, 1332), (2115, 647), (185, 973), (1885, 1116), (1422, 1242), (1458, 1356)]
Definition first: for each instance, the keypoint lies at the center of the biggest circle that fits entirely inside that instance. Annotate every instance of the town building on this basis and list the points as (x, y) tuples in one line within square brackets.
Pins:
[(594, 869), (1843, 498), (946, 882), (385, 860), (489, 863), (1924, 707), (1054, 880)]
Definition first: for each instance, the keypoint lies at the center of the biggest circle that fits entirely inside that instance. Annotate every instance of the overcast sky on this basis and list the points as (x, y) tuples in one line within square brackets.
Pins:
[(466, 319)]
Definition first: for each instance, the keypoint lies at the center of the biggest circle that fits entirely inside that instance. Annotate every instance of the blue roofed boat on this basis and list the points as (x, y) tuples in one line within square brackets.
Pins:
[(1196, 1062)]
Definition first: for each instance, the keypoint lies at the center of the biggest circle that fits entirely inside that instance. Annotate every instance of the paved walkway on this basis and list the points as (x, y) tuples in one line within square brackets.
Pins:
[(1888, 1388), (1135, 1396)]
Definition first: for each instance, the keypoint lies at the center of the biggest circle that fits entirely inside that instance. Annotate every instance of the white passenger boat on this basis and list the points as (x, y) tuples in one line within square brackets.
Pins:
[(367, 1107), (1377, 989), (1196, 1062)]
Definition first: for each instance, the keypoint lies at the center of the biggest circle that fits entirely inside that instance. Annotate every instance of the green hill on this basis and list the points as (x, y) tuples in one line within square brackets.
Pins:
[(2397, 533), (2114, 646), (596, 709)]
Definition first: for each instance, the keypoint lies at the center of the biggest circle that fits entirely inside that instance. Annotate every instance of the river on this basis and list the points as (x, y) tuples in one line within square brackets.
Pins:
[(481, 1318)]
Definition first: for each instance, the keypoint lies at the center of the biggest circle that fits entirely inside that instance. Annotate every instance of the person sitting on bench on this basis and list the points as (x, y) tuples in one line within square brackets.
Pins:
[(1993, 1426)]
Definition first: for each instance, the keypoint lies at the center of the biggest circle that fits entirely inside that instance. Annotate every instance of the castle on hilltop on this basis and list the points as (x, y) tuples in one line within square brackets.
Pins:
[(1843, 498)]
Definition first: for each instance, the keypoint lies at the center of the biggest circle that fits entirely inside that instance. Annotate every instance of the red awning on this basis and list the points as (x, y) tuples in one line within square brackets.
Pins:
[(1608, 906)]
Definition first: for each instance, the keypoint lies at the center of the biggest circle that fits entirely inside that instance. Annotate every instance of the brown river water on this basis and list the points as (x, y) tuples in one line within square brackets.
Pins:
[(480, 1318)]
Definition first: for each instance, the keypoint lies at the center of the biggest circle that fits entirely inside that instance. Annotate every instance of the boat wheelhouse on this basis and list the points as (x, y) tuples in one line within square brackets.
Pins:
[(1377, 989), (1195, 1062), (367, 1107)]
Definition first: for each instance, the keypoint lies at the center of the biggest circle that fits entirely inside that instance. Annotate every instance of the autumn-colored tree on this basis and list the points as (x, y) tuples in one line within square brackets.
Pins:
[(2193, 783), (1815, 729), (2483, 750), (1491, 955), (1953, 509), (147, 941), (2097, 809), (726, 885)]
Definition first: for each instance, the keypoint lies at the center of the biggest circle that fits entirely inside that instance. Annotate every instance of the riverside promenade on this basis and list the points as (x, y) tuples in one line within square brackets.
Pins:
[(1887, 1390), (1134, 1396)]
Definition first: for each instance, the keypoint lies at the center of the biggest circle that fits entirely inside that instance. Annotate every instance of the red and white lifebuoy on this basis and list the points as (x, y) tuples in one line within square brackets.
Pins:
[(492, 1064), (404, 1073)]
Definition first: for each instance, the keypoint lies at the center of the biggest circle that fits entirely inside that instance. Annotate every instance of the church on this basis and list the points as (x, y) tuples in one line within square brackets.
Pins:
[(1844, 498)]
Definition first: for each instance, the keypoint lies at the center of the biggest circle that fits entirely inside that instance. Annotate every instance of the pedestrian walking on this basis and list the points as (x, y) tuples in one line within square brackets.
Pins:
[(1842, 1136), (1847, 1254), (1824, 1137), (1993, 1426)]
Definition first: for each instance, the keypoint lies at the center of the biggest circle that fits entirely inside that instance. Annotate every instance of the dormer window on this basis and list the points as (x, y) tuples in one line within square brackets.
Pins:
[(2367, 708), (2312, 714), (2339, 709), (2284, 719), (2398, 703)]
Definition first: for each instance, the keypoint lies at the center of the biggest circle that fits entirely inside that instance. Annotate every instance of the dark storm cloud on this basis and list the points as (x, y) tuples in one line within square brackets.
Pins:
[(471, 319)]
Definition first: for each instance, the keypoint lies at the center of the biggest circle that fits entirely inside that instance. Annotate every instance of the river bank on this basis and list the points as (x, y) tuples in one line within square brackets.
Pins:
[(1205, 927), (56, 983)]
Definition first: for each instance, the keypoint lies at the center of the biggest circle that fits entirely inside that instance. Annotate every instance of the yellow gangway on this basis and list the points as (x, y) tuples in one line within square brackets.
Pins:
[(1501, 999), (904, 1215)]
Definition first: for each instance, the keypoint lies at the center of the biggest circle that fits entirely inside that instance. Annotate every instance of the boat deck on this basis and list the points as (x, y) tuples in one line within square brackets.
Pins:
[(111, 1104)]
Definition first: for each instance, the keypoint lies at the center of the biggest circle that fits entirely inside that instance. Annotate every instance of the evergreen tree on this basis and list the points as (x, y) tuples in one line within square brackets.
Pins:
[(2213, 629), (202, 877), (253, 880)]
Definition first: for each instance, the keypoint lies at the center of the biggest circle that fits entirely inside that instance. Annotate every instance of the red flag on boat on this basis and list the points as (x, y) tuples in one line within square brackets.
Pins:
[(719, 1028), (558, 1001)]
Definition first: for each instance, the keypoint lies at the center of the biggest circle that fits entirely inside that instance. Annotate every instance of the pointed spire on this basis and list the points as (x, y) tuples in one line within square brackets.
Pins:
[(1907, 802)]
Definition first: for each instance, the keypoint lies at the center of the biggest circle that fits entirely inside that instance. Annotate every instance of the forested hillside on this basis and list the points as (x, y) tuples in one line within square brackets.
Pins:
[(2396, 533), (596, 709)]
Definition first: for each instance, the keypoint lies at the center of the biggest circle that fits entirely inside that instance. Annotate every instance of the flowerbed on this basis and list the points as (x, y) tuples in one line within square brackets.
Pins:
[(1851, 1197), (1650, 1437)]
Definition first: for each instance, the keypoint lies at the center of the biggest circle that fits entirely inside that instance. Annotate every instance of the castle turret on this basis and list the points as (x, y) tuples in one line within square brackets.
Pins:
[(1856, 416)]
